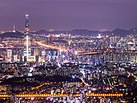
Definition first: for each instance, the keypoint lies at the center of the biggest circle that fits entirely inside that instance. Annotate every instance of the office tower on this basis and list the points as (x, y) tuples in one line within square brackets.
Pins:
[(9, 55), (36, 52), (15, 58), (27, 43)]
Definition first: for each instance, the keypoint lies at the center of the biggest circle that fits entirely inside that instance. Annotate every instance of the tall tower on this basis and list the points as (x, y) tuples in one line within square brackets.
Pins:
[(26, 24), (27, 44)]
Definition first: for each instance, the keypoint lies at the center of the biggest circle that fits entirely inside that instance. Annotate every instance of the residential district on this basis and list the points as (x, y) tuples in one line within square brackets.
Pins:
[(63, 67)]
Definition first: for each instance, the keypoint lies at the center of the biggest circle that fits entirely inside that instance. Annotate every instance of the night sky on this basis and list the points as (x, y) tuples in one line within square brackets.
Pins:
[(69, 14)]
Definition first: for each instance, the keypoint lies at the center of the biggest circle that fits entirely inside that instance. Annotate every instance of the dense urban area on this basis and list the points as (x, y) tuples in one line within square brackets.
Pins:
[(78, 66)]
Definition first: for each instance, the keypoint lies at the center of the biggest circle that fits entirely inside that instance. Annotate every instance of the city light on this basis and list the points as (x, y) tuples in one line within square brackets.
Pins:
[(63, 65)]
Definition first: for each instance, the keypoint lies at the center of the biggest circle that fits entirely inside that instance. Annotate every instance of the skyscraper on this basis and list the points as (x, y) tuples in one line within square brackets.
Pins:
[(9, 55), (27, 43)]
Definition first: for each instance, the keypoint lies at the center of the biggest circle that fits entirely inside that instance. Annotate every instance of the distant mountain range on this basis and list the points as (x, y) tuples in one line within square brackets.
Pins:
[(118, 32), (16, 34)]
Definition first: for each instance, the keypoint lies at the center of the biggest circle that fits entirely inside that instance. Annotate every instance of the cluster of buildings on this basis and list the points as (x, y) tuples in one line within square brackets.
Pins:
[(58, 47), (68, 48), (98, 64)]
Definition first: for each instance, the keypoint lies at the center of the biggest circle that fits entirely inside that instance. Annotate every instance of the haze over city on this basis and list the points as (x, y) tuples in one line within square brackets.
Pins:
[(69, 14), (68, 51)]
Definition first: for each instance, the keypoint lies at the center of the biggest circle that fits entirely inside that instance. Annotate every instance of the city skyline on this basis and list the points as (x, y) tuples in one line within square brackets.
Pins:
[(68, 14), (68, 51)]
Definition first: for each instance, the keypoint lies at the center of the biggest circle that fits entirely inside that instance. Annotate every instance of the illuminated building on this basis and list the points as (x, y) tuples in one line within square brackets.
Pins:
[(14, 29), (27, 43), (51, 54), (1, 58), (15, 58), (9, 55), (36, 52), (99, 36)]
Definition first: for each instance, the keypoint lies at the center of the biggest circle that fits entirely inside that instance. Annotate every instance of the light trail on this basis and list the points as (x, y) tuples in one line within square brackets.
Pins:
[(62, 95), (55, 47), (84, 82), (50, 46), (37, 87)]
